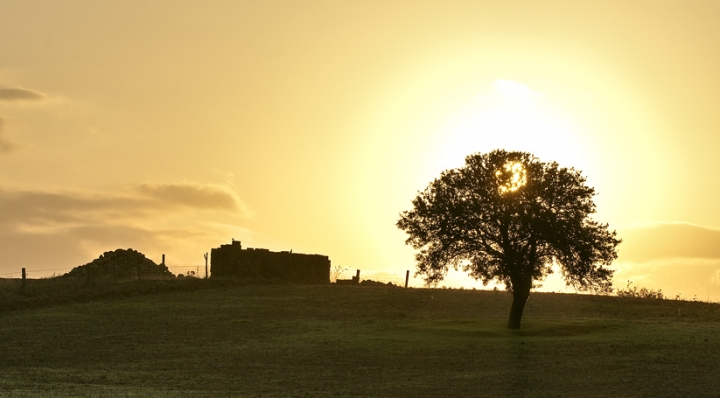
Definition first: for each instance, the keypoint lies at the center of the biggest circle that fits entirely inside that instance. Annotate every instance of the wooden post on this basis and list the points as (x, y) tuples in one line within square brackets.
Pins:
[(407, 278), (22, 286), (357, 277), (206, 269), (163, 263)]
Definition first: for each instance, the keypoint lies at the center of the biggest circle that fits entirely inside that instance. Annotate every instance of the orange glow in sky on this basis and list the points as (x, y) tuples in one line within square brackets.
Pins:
[(172, 127)]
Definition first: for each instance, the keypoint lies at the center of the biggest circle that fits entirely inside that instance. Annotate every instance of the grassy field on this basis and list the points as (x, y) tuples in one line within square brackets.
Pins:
[(212, 339)]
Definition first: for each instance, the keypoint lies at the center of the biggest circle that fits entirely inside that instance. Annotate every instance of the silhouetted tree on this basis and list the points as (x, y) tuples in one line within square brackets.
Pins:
[(507, 216)]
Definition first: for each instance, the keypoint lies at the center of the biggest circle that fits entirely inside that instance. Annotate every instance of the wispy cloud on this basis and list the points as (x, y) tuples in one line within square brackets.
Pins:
[(20, 94)]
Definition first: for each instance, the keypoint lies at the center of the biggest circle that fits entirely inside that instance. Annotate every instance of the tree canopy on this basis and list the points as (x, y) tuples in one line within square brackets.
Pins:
[(508, 217)]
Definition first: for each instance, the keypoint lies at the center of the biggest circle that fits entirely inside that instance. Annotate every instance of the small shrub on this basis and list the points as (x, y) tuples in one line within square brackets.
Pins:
[(338, 272), (633, 291)]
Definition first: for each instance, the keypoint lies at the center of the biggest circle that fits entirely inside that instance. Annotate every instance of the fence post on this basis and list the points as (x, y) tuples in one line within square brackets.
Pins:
[(163, 263), (22, 286), (206, 270), (357, 277), (407, 278)]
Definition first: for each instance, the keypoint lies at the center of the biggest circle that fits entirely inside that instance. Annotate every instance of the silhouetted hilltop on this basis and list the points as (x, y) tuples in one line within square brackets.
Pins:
[(120, 264), (368, 282)]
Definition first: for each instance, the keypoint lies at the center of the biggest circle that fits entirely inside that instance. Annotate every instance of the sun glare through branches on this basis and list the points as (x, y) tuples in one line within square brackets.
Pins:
[(512, 178)]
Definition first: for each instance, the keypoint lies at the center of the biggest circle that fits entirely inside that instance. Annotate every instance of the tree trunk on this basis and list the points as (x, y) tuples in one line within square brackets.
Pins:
[(520, 296)]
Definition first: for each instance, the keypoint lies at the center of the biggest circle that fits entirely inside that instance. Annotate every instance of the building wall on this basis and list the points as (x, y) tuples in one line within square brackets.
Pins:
[(234, 261)]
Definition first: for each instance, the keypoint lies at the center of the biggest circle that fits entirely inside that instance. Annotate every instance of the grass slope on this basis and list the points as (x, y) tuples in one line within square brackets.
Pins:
[(294, 341)]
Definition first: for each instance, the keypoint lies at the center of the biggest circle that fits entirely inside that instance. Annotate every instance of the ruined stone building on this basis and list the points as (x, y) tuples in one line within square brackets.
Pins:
[(234, 261)]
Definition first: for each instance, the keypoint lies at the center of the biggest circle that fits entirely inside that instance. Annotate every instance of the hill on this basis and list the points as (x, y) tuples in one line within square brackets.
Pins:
[(223, 339)]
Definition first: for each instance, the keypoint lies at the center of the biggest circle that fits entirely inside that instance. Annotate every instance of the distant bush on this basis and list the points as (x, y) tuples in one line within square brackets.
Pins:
[(189, 274), (633, 291)]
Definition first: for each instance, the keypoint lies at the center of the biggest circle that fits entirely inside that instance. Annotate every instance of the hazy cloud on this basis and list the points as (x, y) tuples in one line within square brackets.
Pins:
[(678, 258), (48, 208), (194, 195), (20, 94), (663, 241), (5, 145), (39, 252), (60, 230), (673, 276), (65, 248), (41, 209)]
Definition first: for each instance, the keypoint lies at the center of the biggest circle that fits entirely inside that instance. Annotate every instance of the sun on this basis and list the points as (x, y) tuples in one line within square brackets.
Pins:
[(512, 178), (508, 115)]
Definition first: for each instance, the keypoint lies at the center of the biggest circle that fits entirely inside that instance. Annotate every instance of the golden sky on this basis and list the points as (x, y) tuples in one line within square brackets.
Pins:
[(172, 127)]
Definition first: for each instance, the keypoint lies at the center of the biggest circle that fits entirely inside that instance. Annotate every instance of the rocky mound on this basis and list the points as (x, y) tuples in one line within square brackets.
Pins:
[(120, 265)]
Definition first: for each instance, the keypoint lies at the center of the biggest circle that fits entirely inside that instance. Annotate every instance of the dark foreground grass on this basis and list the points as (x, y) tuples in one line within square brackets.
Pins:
[(295, 341)]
